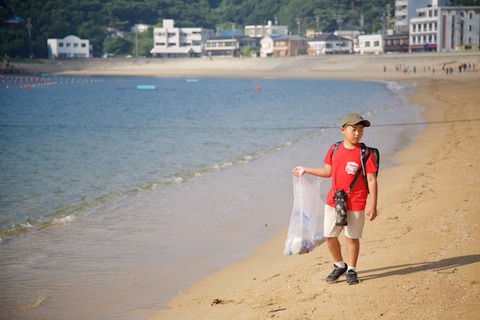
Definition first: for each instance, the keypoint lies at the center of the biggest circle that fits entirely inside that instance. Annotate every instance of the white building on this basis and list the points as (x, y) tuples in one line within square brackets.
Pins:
[(328, 43), (171, 42), (261, 31), (406, 10), (267, 45), (445, 29), (228, 46), (370, 43), (68, 47)]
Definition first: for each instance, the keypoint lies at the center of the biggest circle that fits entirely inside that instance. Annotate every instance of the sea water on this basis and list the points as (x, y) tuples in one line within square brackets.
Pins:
[(114, 199)]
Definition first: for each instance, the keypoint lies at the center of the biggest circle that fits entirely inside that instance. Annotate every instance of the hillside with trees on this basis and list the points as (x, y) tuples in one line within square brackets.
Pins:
[(25, 25)]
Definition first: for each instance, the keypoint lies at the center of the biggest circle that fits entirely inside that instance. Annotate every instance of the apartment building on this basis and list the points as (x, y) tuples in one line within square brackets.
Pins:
[(260, 31), (172, 42), (445, 29), (406, 10)]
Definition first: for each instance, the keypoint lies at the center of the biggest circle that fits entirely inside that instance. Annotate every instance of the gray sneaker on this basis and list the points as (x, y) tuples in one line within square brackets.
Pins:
[(352, 277), (336, 273)]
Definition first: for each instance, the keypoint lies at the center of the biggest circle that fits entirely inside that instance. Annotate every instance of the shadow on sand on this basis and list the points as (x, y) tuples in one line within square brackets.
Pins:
[(446, 266)]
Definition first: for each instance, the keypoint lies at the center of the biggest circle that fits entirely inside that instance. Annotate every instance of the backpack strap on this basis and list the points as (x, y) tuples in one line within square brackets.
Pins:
[(363, 159)]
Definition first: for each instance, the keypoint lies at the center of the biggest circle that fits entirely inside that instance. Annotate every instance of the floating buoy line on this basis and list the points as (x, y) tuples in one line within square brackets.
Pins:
[(44, 80)]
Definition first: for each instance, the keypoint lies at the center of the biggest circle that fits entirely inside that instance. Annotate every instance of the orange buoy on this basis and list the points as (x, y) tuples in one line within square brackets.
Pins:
[(258, 88)]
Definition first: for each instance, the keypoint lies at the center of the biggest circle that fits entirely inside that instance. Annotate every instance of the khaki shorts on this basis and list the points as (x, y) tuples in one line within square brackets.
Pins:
[(354, 228)]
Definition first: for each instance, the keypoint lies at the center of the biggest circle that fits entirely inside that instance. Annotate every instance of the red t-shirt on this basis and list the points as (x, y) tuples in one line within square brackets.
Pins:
[(345, 163)]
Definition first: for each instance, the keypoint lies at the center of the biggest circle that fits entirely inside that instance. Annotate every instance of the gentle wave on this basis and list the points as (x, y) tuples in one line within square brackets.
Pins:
[(68, 214)]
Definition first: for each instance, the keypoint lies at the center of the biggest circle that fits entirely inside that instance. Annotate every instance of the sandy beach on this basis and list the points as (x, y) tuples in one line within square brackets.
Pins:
[(420, 259)]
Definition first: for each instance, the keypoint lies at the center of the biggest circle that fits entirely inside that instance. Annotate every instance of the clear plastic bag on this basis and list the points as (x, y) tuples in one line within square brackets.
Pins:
[(305, 230)]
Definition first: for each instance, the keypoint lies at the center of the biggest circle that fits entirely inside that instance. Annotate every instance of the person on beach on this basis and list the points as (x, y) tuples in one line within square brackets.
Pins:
[(341, 163)]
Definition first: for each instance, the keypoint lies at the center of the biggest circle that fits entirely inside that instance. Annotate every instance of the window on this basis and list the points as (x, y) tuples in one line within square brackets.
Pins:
[(84, 45), (367, 44), (75, 45), (68, 44), (60, 44), (376, 43)]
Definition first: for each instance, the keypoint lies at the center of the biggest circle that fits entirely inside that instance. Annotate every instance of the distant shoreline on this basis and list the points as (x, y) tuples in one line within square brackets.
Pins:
[(367, 67)]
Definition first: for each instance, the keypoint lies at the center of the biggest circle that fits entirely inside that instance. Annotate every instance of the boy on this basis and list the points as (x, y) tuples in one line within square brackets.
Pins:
[(342, 167)]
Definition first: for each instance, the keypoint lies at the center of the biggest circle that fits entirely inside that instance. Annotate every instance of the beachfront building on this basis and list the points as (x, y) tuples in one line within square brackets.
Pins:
[(229, 45), (328, 43), (289, 46), (405, 10), (445, 29), (267, 45), (172, 42), (260, 31), (349, 32), (68, 47), (370, 43), (395, 42)]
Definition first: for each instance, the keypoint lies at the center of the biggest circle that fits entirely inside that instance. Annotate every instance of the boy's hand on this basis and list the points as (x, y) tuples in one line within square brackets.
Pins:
[(298, 171), (372, 213)]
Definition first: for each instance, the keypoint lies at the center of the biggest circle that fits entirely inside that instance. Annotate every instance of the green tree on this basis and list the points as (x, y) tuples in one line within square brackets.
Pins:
[(89, 19), (141, 43), (117, 46)]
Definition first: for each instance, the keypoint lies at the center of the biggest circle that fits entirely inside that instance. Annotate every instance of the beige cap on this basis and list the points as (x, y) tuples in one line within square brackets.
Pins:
[(354, 119)]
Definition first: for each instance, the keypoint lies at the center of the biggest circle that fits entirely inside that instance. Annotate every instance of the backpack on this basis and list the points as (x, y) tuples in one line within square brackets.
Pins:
[(364, 154)]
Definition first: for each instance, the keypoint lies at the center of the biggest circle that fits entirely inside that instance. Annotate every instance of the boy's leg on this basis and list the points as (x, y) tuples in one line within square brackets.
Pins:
[(353, 233), (353, 248), (335, 249), (331, 232)]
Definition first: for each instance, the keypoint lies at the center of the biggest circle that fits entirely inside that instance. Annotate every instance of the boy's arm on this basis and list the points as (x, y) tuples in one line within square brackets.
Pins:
[(373, 187), (324, 172)]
